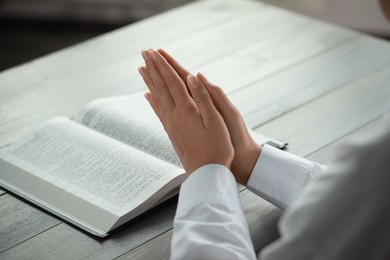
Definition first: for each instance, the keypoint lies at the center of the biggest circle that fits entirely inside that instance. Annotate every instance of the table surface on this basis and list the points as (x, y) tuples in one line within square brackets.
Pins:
[(293, 78)]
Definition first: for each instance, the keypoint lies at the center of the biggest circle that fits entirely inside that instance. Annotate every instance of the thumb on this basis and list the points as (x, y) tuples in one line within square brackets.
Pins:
[(202, 98)]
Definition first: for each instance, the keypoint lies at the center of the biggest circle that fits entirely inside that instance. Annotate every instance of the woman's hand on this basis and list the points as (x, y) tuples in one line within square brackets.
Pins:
[(194, 126), (246, 151)]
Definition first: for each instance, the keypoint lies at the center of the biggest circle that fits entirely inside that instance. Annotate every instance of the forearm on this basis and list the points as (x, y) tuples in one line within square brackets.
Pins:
[(209, 221)]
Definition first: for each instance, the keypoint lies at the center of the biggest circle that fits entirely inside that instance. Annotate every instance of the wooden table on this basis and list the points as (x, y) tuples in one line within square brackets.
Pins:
[(293, 78)]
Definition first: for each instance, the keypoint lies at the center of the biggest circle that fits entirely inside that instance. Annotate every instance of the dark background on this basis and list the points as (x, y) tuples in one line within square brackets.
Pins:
[(23, 39), (32, 28)]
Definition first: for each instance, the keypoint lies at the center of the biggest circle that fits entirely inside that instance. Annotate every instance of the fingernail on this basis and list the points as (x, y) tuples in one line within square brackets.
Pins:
[(153, 55), (141, 71), (192, 81), (145, 55)]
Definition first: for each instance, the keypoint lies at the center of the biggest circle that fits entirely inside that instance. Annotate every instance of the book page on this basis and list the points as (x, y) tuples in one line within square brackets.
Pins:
[(130, 119), (95, 168)]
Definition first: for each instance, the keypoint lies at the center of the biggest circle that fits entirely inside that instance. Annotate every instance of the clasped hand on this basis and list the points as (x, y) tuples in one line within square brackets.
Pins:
[(202, 124)]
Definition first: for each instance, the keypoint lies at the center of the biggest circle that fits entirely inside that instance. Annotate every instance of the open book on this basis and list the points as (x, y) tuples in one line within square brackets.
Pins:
[(111, 163)]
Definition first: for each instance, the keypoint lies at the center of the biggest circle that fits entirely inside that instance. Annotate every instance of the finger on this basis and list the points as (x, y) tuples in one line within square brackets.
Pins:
[(146, 77), (202, 99), (149, 97), (220, 100), (149, 83), (235, 123), (230, 114), (175, 84), (160, 90), (183, 73)]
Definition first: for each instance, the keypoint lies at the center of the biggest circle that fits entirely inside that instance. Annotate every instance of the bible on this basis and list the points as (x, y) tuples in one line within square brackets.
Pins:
[(108, 165)]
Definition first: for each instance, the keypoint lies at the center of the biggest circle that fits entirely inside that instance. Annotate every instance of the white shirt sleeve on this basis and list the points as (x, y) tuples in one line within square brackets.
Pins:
[(343, 214), (279, 177), (209, 221)]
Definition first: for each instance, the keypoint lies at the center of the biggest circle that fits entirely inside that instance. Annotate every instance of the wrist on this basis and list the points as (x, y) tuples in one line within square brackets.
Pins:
[(197, 164), (243, 167)]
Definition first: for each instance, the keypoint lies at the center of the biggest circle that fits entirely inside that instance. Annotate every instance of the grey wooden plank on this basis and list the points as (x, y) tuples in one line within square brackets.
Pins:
[(130, 39), (66, 242), (327, 154), (289, 89), (331, 116), (248, 64), (262, 218), (15, 221), (2, 192), (249, 29), (107, 65), (100, 67), (157, 248)]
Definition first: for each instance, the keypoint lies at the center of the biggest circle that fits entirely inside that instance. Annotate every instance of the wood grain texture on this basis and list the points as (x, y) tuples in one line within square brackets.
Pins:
[(333, 115), (107, 65), (104, 66), (15, 221), (288, 89), (328, 154), (66, 242)]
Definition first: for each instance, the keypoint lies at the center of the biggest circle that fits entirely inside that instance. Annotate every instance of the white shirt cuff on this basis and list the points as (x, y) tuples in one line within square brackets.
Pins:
[(213, 183), (279, 176)]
